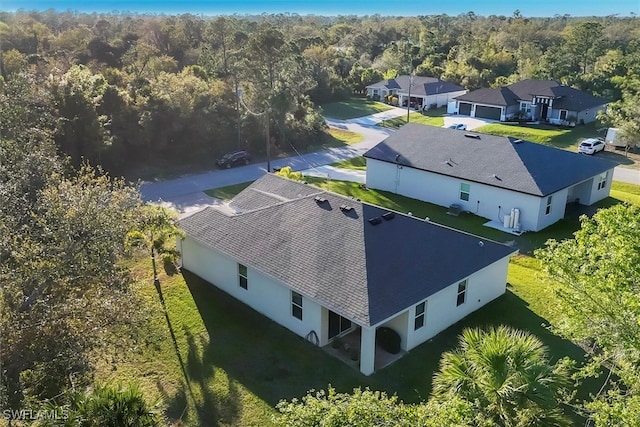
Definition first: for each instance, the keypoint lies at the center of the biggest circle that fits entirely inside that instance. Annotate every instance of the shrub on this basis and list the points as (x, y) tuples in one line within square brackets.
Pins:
[(388, 339)]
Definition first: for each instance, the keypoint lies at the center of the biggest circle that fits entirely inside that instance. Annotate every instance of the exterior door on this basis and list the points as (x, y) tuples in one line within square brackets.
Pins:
[(464, 109)]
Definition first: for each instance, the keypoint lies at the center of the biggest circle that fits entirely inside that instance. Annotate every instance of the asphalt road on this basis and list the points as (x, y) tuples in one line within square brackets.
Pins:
[(186, 193)]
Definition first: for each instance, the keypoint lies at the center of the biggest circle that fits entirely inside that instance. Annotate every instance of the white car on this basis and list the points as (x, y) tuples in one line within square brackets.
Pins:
[(591, 146), (458, 126)]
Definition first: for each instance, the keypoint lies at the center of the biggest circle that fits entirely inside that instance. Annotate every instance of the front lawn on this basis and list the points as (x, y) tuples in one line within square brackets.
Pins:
[(357, 163), (432, 118), (556, 136), (353, 107)]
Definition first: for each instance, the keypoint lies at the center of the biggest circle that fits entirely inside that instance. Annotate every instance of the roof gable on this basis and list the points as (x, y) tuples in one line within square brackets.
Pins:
[(363, 271), (503, 162)]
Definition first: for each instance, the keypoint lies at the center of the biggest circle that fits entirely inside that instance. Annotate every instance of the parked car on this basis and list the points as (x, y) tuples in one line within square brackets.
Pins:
[(591, 146), (239, 157), (458, 126)]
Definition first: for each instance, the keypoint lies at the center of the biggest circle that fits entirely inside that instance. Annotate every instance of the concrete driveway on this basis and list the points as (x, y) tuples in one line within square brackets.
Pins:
[(471, 122)]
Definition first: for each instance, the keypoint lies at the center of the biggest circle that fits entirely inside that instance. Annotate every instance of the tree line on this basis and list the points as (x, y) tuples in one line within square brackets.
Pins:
[(138, 90)]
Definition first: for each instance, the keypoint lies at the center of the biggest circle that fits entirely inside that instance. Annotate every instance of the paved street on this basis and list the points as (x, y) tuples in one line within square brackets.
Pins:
[(186, 193)]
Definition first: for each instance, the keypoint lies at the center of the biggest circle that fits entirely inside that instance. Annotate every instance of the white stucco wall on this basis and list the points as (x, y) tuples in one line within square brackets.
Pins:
[(590, 114), (264, 294), (441, 310), (443, 99), (484, 200)]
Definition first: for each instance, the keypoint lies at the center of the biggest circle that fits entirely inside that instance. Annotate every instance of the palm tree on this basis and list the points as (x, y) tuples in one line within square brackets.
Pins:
[(506, 375)]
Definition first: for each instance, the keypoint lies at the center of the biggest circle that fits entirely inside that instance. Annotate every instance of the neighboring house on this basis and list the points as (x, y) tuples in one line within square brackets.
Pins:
[(425, 91), (487, 175), (537, 100), (323, 265)]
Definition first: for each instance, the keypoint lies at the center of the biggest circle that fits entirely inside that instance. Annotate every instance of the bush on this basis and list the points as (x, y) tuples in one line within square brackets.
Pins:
[(388, 339)]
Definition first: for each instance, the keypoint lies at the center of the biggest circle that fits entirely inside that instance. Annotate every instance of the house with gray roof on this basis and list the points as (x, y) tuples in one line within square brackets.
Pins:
[(537, 100), (421, 92), (490, 176), (324, 265)]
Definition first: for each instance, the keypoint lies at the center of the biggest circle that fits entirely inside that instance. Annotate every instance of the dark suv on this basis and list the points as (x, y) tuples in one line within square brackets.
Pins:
[(240, 157)]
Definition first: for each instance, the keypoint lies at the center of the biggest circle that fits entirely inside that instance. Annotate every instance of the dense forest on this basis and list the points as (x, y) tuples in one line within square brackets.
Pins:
[(129, 91)]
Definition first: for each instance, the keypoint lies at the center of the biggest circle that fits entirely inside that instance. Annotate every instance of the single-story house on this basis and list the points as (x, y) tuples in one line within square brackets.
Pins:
[(323, 265), (421, 92), (487, 175), (537, 100)]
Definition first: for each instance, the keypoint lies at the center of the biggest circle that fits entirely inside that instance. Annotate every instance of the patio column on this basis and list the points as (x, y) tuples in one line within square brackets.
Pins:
[(367, 350)]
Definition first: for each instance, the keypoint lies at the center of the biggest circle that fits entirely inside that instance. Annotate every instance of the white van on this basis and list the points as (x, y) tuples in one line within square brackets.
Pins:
[(613, 138)]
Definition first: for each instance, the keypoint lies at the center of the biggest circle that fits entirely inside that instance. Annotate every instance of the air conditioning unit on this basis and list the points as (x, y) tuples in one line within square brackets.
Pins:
[(454, 209)]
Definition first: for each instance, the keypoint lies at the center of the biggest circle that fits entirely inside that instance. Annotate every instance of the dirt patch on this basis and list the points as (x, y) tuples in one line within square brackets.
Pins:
[(629, 160)]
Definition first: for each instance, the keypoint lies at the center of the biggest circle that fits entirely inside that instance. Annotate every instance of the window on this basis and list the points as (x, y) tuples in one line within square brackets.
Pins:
[(547, 210), (242, 276), (420, 312), (602, 180), (465, 189), (462, 293), (296, 305)]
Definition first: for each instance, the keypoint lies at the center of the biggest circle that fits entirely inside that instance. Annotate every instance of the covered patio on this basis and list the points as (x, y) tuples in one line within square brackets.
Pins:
[(350, 345)]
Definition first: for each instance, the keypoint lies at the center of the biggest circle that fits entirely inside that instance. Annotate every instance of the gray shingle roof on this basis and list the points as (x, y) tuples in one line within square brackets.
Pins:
[(422, 86), (565, 97), (525, 167), (362, 271)]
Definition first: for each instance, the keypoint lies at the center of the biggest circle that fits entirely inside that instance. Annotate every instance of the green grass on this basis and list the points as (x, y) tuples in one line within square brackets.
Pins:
[(556, 136), (226, 193), (431, 118), (625, 192), (345, 137), (357, 163), (353, 107)]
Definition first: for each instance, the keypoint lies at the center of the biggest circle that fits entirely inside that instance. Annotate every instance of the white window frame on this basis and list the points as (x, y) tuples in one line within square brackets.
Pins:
[(466, 192), (243, 279), (420, 315), (602, 180), (295, 296), (462, 292), (547, 209)]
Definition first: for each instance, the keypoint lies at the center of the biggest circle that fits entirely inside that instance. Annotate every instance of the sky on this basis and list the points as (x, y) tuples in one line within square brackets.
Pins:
[(337, 7)]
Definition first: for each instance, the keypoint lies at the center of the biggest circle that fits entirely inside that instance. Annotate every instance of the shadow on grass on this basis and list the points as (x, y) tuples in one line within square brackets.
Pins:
[(254, 351), (275, 364)]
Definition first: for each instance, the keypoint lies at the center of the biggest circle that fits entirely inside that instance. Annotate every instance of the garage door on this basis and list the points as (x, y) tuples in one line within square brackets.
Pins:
[(464, 109), (488, 112)]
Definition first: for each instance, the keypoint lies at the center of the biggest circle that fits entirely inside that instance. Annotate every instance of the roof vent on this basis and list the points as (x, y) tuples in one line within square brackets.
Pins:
[(375, 220), (345, 208), (319, 199), (388, 216), (517, 141), (497, 177), (472, 136)]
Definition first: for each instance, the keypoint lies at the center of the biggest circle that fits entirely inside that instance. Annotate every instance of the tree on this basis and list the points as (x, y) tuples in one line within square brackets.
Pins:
[(63, 291), (155, 226), (369, 408), (597, 280), (585, 43), (507, 377)]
